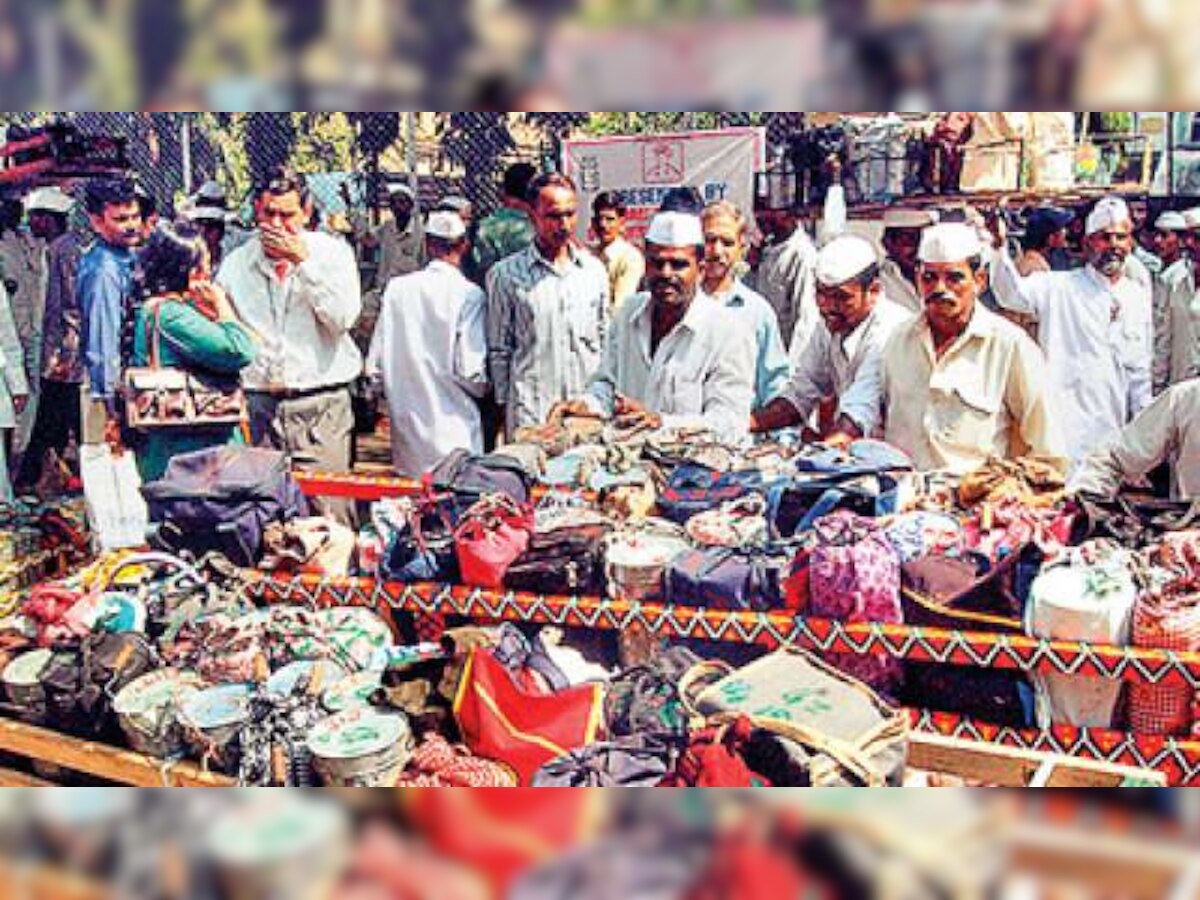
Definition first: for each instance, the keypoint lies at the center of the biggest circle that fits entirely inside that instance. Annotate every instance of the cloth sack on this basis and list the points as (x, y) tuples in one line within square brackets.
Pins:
[(470, 477), (854, 576), (524, 730), (693, 489), (742, 523), (716, 758), (490, 537), (637, 761), (1087, 596), (222, 499), (1165, 619), (438, 763), (313, 546), (723, 578), (418, 537), (117, 513), (795, 506), (645, 699), (818, 725)]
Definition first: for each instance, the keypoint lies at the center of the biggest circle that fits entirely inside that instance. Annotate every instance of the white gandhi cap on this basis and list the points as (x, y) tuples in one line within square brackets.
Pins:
[(49, 199), (1109, 213), (844, 258), (1191, 217), (674, 229), (950, 243), (898, 217), (447, 226), (1171, 221)]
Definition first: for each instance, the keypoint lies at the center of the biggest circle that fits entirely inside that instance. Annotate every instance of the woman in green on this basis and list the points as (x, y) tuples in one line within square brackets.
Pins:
[(198, 332)]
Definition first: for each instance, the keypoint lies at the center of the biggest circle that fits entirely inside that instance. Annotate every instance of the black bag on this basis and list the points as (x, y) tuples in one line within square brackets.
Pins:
[(645, 699), (1133, 524), (80, 687), (793, 507), (724, 578), (563, 560), (469, 478), (222, 499)]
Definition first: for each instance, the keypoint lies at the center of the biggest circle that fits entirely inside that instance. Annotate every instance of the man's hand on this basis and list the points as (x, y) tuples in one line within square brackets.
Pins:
[(997, 224), (630, 414), (20, 401), (281, 244), (570, 409)]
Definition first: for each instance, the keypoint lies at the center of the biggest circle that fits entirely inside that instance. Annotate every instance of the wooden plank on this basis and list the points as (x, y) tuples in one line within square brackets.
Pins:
[(110, 763), (40, 882), (13, 778), (1013, 767)]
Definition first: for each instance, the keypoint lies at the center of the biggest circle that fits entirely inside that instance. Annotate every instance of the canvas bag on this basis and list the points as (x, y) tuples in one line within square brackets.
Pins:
[(819, 726), (854, 576), (1088, 595), (470, 477), (636, 761), (117, 513), (723, 578), (222, 499), (490, 537)]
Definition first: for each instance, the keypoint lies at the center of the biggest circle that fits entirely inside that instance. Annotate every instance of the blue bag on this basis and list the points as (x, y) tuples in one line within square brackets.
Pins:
[(694, 489)]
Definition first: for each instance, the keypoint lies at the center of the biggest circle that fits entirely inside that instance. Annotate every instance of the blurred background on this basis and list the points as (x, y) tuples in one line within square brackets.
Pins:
[(263, 55), (457, 844)]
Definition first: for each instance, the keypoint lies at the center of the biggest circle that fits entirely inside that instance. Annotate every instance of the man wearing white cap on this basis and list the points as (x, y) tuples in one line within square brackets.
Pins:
[(902, 229), (430, 352), (785, 278), (400, 239), (960, 383), (1177, 345), (1095, 325), (845, 353), (671, 359), (57, 375), (1171, 244), (548, 311)]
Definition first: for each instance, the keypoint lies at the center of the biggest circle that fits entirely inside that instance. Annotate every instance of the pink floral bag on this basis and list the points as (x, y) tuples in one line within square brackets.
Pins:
[(854, 576)]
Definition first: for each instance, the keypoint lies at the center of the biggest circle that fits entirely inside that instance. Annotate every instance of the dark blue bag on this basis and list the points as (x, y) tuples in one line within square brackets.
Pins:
[(694, 489), (723, 578), (793, 507), (222, 499), (425, 551)]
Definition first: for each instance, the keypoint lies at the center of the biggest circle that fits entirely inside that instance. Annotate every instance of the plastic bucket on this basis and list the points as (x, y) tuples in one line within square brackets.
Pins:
[(23, 685), (213, 718), (148, 711)]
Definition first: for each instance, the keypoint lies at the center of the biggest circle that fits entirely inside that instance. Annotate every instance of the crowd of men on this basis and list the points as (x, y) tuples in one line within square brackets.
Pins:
[(1082, 350)]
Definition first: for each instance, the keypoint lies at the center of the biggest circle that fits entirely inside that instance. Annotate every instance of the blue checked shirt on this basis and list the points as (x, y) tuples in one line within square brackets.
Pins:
[(103, 287), (772, 367)]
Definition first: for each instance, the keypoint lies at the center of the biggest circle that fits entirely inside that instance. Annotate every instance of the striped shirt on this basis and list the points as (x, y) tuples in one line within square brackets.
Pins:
[(546, 326)]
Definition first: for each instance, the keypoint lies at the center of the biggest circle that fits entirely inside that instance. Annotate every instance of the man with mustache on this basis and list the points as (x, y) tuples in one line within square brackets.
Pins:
[(673, 358), (844, 354), (1095, 326), (960, 383), (1177, 337), (104, 288), (725, 249)]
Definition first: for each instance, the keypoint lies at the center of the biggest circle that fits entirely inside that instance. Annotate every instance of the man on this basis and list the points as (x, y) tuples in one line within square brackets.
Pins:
[(1171, 245), (1168, 430), (902, 229), (59, 370), (623, 261), (104, 292), (1045, 240), (845, 354), (961, 384), (509, 229), (400, 239), (461, 207), (208, 209), (673, 358), (1095, 326), (148, 208), (785, 279), (547, 312), (298, 291), (23, 262), (1177, 336), (14, 388), (725, 248), (430, 352)]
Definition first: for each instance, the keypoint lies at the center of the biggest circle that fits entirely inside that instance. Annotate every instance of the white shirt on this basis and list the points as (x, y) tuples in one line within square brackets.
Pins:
[(1177, 353), (899, 289), (847, 367), (430, 349), (302, 322), (1098, 339), (701, 375), (13, 382), (1176, 278), (786, 277)]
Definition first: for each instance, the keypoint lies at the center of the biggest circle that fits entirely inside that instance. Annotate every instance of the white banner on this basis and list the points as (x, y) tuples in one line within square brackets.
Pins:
[(721, 165)]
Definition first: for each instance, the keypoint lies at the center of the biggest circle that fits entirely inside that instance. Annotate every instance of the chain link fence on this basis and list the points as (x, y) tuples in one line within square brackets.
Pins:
[(466, 152)]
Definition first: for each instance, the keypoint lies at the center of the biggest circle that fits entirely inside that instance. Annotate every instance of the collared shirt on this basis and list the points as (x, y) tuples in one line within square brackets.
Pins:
[(503, 233), (848, 367), (898, 289), (985, 396), (1168, 430), (13, 382), (104, 288), (430, 351), (1098, 340), (546, 325), (701, 374), (786, 278), (23, 260), (303, 320), (626, 266), (772, 368), (400, 252), (62, 336)]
